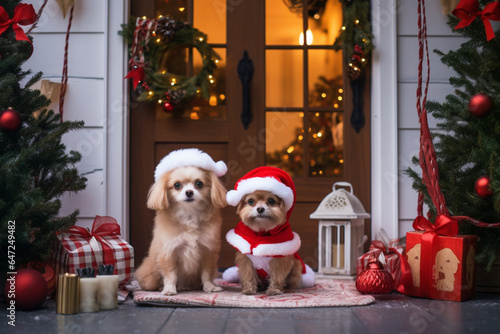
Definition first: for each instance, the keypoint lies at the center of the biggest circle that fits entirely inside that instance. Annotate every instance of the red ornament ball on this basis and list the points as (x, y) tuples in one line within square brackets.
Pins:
[(10, 120), (168, 106), (480, 105), (482, 187), (374, 279), (27, 289)]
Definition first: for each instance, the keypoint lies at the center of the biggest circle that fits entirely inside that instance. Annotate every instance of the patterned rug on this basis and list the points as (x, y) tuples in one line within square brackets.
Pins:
[(326, 292)]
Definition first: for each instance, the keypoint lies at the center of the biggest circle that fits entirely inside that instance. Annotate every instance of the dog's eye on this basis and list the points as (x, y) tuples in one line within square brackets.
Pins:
[(177, 185), (198, 184), (251, 201), (271, 201)]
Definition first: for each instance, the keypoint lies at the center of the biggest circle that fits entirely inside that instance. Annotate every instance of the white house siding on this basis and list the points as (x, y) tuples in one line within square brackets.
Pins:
[(95, 94), (440, 37)]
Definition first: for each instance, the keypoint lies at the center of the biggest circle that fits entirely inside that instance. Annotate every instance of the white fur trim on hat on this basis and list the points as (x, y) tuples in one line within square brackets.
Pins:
[(248, 186), (230, 275), (189, 157)]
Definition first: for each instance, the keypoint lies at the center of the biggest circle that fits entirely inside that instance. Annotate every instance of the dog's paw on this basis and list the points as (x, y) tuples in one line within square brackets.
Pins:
[(249, 290), (169, 291), (212, 288), (273, 291)]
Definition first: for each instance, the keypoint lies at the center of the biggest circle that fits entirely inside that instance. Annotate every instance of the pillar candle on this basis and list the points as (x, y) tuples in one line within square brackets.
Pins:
[(68, 293), (89, 294), (108, 291)]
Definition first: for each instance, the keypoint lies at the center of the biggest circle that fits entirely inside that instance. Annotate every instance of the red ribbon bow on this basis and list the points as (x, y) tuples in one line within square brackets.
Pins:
[(443, 225), (102, 227), (468, 10), (24, 14), (405, 266)]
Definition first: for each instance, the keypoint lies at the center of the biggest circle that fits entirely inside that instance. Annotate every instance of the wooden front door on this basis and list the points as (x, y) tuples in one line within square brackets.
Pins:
[(298, 97)]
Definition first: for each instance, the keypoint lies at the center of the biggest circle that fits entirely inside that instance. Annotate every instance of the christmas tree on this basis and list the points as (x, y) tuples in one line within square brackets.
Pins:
[(35, 167), (468, 141)]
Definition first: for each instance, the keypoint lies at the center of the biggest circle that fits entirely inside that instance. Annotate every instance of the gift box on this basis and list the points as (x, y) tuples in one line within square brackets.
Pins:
[(392, 259), (80, 248), (442, 263)]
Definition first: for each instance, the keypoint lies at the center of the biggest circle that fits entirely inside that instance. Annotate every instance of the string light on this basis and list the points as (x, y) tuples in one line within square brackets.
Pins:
[(323, 95), (200, 39), (341, 90), (158, 40), (290, 149), (300, 137), (301, 115), (341, 161), (343, 27), (150, 93), (181, 9), (356, 21), (160, 101), (335, 105), (340, 97)]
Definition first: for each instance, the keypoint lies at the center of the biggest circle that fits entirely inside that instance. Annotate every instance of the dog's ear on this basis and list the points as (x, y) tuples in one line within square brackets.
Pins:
[(218, 193), (157, 196)]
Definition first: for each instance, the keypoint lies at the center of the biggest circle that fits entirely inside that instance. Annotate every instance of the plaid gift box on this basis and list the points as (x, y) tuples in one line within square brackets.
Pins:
[(80, 248), (391, 257), (442, 262)]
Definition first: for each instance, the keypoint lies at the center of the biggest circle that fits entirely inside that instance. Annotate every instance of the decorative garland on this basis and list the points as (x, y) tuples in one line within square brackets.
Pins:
[(151, 40), (355, 39)]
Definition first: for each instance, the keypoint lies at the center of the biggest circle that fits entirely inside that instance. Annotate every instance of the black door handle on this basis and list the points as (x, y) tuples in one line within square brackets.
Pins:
[(245, 73)]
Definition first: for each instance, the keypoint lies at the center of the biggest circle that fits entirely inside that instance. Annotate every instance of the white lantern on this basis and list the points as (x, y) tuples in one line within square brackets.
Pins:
[(341, 232)]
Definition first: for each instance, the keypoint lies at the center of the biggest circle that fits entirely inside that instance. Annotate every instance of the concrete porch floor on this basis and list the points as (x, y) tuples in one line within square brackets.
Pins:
[(392, 313)]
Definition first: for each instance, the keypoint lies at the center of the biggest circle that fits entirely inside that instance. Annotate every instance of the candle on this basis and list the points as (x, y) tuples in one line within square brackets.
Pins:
[(68, 292), (89, 294), (108, 291)]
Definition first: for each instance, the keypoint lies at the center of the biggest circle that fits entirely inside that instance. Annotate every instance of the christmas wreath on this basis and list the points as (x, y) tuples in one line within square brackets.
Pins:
[(151, 41)]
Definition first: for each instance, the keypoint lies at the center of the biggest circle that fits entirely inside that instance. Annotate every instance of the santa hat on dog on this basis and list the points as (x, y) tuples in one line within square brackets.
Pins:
[(189, 157), (267, 178)]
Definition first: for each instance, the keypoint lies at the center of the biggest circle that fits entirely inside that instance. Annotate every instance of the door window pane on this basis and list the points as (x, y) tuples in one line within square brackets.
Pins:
[(325, 79), (285, 141), (325, 142), (283, 23), (284, 78), (210, 18)]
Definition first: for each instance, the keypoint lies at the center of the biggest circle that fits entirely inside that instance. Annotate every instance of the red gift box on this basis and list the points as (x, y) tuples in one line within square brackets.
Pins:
[(442, 263), (391, 257), (80, 248)]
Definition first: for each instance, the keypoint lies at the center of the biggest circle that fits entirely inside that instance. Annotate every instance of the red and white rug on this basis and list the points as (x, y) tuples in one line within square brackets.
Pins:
[(326, 292)]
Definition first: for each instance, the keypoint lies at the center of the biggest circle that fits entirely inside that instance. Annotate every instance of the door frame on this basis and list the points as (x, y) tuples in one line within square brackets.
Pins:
[(384, 118)]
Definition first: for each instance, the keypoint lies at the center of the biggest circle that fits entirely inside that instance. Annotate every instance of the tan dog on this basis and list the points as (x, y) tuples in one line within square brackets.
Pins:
[(186, 236), (445, 267), (266, 246), (263, 211)]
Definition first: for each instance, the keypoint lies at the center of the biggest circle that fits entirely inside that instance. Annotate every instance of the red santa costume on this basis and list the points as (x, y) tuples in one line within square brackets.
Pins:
[(261, 247)]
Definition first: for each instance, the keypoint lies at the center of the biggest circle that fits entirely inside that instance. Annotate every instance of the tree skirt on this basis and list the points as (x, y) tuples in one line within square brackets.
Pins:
[(326, 292)]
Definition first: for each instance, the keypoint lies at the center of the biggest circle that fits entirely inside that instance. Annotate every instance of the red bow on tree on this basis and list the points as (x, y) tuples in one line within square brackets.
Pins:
[(24, 14), (468, 10)]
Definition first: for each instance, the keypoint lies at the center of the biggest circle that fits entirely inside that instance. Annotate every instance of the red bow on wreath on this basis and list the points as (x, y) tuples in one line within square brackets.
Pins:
[(468, 10), (24, 14)]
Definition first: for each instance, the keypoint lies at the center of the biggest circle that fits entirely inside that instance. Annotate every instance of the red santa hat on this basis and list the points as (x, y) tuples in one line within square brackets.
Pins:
[(189, 157), (267, 178)]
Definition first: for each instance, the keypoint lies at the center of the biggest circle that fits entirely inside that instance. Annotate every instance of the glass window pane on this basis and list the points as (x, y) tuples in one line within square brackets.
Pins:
[(324, 21), (210, 18), (325, 79), (176, 9), (326, 131), (284, 78), (284, 141), (283, 23)]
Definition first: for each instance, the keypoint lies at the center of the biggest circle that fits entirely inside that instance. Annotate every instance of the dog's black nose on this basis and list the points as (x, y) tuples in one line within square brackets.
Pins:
[(189, 193), (260, 209)]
